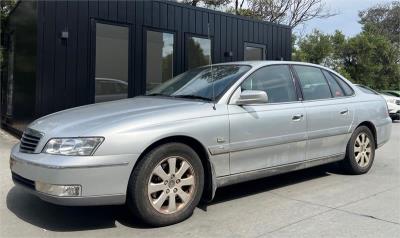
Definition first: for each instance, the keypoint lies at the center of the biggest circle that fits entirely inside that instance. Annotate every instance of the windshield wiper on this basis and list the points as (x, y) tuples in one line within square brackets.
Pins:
[(194, 97)]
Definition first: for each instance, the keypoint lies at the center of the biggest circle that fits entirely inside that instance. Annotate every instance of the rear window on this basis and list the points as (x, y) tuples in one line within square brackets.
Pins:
[(367, 90)]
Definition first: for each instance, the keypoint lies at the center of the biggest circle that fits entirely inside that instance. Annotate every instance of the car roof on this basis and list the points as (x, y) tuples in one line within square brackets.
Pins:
[(259, 63)]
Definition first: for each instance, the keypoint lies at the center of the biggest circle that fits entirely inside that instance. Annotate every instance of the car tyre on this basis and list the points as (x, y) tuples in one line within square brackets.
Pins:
[(153, 181), (360, 152)]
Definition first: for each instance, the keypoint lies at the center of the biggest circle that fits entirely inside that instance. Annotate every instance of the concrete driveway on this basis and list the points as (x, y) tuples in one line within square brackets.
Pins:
[(318, 202)]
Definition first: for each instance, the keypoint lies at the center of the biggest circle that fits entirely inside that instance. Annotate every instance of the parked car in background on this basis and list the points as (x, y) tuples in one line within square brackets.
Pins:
[(395, 93), (393, 105), (207, 128)]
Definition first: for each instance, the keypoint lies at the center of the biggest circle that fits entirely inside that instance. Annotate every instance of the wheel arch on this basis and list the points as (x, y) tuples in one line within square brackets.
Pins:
[(372, 128), (200, 149)]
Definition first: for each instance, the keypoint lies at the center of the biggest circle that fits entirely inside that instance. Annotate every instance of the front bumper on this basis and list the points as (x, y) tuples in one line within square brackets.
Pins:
[(103, 179)]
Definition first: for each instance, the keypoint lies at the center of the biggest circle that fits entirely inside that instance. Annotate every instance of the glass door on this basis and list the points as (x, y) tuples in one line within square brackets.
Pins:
[(112, 62)]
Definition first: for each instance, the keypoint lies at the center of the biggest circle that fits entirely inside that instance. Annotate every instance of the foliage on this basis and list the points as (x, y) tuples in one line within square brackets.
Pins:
[(198, 57), (5, 7), (315, 47), (366, 58), (206, 3), (289, 12), (383, 19), (370, 59)]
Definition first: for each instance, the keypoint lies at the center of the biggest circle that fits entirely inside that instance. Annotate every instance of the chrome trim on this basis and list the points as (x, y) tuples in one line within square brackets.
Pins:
[(266, 142), (219, 149), (13, 160), (336, 131), (254, 144), (280, 169), (33, 132)]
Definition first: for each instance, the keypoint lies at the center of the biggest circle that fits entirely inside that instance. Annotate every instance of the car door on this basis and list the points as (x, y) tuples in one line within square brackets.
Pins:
[(329, 113), (270, 134)]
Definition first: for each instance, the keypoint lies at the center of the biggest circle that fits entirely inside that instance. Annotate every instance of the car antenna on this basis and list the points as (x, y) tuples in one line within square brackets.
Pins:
[(211, 67)]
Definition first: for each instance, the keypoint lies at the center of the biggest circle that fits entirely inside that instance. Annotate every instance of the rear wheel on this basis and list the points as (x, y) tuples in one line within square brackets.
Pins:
[(360, 151), (166, 185)]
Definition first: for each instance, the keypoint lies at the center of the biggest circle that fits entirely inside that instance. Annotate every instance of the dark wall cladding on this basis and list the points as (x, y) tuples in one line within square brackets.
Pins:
[(66, 66)]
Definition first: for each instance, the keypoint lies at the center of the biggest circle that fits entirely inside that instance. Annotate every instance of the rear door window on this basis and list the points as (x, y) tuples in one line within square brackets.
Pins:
[(313, 83)]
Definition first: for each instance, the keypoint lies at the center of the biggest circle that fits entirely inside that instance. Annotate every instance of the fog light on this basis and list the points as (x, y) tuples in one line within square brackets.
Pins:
[(59, 190)]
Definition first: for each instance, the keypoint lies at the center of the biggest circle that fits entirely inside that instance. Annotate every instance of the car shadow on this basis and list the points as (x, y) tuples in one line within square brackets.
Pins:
[(51, 217), (249, 188)]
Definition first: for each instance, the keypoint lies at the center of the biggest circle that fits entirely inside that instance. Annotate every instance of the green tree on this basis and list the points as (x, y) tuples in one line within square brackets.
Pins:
[(5, 7), (370, 59), (314, 48), (383, 19), (207, 3)]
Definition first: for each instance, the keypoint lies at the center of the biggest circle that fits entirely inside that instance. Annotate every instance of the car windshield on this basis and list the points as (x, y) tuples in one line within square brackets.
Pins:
[(198, 83)]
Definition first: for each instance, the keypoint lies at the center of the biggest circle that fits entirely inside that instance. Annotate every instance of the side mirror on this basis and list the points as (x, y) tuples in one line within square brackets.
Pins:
[(252, 97)]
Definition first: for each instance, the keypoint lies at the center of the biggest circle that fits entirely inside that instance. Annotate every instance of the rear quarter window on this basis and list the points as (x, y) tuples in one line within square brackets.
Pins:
[(348, 91)]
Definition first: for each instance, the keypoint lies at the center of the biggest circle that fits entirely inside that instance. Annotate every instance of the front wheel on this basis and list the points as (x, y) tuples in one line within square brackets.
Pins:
[(166, 185), (360, 151)]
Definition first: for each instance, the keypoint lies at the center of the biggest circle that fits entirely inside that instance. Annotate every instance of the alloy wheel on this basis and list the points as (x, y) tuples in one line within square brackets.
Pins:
[(171, 185), (362, 150)]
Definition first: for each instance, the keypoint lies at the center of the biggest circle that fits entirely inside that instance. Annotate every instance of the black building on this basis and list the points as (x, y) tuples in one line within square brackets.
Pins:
[(63, 54)]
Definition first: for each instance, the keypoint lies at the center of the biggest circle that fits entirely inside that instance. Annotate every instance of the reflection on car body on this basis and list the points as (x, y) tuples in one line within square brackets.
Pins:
[(108, 89)]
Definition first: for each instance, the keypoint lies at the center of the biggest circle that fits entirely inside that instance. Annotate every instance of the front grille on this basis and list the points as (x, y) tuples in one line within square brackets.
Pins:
[(29, 141), (23, 181), (398, 102)]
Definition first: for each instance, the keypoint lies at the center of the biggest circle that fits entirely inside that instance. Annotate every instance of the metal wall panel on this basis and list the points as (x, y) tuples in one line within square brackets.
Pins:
[(66, 68)]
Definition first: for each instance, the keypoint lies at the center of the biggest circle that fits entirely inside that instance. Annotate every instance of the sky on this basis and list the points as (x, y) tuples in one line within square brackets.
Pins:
[(346, 20)]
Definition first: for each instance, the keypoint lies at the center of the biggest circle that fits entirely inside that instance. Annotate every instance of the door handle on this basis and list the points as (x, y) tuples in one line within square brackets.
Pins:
[(297, 117), (344, 112)]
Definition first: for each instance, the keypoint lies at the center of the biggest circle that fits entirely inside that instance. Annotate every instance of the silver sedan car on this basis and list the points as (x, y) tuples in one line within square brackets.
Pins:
[(212, 126)]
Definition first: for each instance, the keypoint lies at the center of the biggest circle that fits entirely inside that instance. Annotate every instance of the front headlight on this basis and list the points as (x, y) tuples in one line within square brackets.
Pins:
[(391, 100), (72, 146)]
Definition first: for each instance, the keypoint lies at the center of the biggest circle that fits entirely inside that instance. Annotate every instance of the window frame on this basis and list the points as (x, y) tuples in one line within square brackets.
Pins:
[(92, 70), (294, 82), (186, 50), (255, 45)]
